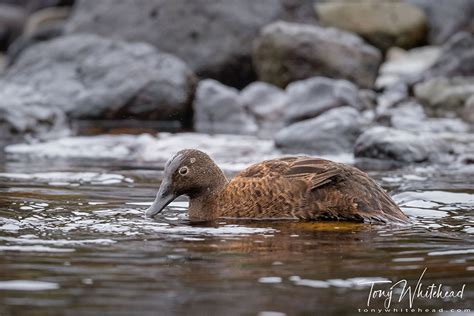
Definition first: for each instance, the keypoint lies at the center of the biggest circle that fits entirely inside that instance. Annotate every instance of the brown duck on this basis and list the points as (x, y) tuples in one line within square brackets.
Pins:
[(287, 188)]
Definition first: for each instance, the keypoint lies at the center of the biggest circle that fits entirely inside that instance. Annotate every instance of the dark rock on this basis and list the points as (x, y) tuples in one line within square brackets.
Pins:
[(382, 23), (287, 52), (311, 97), (87, 76), (213, 37), (391, 144), (219, 109), (12, 20), (334, 131), (35, 5), (446, 18)]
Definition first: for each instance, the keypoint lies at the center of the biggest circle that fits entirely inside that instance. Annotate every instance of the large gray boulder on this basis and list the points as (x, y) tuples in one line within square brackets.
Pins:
[(385, 143), (287, 52), (311, 97), (219, 109), (213, 37), (88, 76), (332, 132), (446, 18), (382, 23)]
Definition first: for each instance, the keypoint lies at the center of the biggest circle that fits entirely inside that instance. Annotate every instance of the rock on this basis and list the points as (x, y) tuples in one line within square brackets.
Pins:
[(444, 96), (268, 104), (12, 20), (287, 52), (25, 112), (402, 65), (391, 96), (311, 97), (390, 144), (382, 23), (410, 116), (87, 76), (468, 113), (456, 59), (334, 131), (219, 109), (213, 37), (446, 18)]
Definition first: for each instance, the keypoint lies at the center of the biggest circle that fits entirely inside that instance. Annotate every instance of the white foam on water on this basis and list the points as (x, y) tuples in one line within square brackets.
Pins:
[(58, 242), (232, 152), (356, 282), (28, 285), (441, 197), (270, 280), (35, 248), (66, 178), (451, 252)]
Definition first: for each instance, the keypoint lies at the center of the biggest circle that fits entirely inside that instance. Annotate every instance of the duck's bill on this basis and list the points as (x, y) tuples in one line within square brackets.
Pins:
[(159, 204)]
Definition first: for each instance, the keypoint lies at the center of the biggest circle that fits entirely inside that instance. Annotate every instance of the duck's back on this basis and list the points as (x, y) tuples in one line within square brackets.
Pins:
[(307, 188)]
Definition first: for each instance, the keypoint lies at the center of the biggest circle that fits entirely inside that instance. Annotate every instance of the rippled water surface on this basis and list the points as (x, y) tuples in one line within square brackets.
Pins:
[(73, 240)]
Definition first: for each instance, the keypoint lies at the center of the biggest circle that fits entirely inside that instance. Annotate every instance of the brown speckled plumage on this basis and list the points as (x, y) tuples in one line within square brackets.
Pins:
[(288, 188)]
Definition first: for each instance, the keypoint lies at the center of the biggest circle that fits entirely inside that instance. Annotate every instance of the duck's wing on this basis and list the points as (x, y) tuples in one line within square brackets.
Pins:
[(331, 190)]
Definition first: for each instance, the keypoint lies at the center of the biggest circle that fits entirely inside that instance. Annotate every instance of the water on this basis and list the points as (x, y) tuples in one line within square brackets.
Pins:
[(73, 241)]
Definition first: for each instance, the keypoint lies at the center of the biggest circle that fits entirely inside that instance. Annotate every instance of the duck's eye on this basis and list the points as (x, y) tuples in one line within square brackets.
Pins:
[(183, 170)]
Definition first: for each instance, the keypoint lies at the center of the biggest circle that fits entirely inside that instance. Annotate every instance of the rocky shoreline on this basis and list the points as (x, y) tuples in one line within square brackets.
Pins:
[(318, 77)]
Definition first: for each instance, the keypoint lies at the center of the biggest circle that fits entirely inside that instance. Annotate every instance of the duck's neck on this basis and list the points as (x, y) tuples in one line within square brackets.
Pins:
[(205, 205)]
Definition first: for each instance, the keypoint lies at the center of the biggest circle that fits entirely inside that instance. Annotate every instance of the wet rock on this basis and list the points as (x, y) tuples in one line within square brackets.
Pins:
[(213, 37), (456, 58), (444, 96), (287, 52), (402, 65), (311, 97), (12, 20), (382, 23), (268, 105), (334, 131), (25, 112), (219, 109), (409, 147), (411, 116), (87, 76), (446, 18)]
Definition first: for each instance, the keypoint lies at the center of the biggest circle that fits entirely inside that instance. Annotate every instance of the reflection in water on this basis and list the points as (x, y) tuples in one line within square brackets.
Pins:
[(76, 242)]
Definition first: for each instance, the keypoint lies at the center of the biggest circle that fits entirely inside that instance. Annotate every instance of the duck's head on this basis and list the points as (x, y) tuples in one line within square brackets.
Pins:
[(189, 172)]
